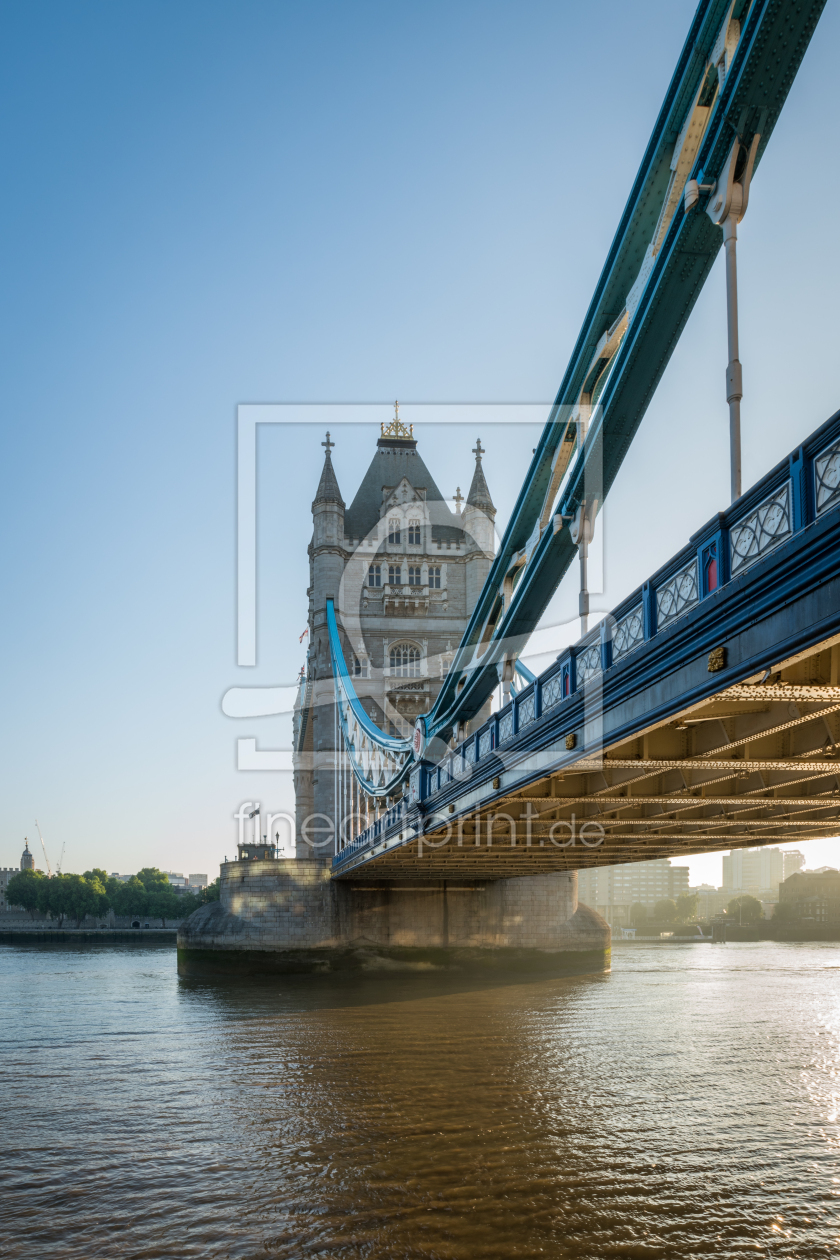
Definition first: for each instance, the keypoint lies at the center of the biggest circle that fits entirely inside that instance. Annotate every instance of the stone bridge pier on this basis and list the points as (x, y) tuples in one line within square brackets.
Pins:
[(289, 915)]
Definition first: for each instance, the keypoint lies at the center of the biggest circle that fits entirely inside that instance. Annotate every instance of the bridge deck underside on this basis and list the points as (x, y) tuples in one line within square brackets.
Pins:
[(756, 764)]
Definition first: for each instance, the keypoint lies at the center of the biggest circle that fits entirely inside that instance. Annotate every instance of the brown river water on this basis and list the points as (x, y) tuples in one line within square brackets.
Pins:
[(686, 1104)]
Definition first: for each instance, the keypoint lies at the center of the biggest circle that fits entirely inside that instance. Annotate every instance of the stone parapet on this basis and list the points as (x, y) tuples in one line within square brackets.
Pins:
[(291, 915)]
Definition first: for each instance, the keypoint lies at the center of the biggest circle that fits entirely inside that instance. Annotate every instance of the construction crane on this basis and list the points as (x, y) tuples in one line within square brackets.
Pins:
[(44, 847)]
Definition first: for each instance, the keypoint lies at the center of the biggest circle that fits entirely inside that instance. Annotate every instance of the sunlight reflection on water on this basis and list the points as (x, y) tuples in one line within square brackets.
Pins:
[(685, 1104)]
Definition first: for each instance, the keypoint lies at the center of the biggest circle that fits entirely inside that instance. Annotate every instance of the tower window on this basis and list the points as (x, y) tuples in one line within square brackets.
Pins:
[(395, 574), (375, 575), (394, 535), (434, 577), (405, 661), (360, 668), (414, 533), (415, 575)]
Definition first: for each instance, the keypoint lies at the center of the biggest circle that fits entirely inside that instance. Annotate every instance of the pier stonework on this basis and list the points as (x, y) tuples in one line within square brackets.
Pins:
[(289, 915)]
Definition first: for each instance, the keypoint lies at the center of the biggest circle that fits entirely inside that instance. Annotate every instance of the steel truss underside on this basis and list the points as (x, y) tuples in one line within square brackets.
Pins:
[(756, 764)]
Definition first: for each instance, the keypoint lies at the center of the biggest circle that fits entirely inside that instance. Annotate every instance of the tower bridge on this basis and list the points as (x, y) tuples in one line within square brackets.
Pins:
[(702, 714)]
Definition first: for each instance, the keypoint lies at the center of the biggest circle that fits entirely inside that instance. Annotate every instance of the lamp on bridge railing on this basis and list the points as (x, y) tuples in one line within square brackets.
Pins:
[(727, 207)]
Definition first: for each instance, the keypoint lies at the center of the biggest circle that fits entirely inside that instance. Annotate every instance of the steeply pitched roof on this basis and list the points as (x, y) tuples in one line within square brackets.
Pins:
[(391, 462), (328, 491), (479, 495)]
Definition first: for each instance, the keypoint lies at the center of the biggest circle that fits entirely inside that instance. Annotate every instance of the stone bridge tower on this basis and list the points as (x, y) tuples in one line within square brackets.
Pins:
[(404, 566)]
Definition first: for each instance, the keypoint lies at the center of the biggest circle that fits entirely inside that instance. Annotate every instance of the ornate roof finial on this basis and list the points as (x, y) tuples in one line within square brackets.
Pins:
[(328, 444), (459, 499), (478, 450), (396, 429)]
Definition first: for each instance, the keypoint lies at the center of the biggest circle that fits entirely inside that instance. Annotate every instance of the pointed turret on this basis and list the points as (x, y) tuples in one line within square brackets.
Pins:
[(479, 514), (327, 556), (479, 495), (328, 491)]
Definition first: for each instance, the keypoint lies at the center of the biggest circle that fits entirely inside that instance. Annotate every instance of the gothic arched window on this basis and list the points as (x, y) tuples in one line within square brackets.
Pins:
[(405, 660)]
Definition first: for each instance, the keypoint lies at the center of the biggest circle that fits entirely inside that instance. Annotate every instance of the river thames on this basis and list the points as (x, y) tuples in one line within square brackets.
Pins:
[(686, 1104)]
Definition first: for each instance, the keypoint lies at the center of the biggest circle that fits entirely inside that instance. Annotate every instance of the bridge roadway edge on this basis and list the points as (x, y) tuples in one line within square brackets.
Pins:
[(728, 619), (290, 916), (781, 607)]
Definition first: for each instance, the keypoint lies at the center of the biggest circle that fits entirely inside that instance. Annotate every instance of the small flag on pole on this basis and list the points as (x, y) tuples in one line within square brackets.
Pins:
[(303, 636)]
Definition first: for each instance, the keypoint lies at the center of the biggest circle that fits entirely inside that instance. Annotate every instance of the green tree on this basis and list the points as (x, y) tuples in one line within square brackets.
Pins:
[(130, 897), (785, 912), (687, 907), (24, 890), (152, 879), (211, 893), (81, 897), (97, 873), (744, 909), (102, 883), (638, 915), (54, 899), (163, 902), (665, 911), (187, 902)]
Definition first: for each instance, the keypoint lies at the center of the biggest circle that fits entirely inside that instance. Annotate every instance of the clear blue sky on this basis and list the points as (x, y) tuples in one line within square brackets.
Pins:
[(212, 203)]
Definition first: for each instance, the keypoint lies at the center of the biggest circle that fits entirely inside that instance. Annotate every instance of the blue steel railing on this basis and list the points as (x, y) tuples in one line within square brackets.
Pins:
[(792, 496)]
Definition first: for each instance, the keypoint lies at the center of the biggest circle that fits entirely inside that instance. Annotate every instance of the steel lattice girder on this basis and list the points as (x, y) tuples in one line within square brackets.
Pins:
[(773, 40)]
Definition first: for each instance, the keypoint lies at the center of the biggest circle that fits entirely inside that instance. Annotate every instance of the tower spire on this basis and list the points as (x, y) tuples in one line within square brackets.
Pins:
[(328, 491), (479, 495)]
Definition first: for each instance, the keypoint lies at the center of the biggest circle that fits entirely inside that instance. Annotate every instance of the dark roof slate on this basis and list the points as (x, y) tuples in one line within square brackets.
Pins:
[(387, 468), (479, 495), (328, 491)]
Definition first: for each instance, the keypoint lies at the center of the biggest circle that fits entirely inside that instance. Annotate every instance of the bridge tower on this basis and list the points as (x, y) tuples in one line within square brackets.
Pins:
[(404, 567)]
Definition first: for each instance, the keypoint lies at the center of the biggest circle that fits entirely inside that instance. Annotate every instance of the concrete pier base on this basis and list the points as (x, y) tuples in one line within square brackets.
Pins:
[(289, 915)]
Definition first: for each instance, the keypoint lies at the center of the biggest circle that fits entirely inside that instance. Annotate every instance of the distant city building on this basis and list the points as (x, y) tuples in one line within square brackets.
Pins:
[(198, 881), (613, 890), (758, 872), (27, 861), (792, 861), (710, 901), (6, 873), (812, 896), (176, 878)]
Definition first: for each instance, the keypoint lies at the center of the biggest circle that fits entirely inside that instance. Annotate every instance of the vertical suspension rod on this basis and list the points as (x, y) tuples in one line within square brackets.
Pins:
[(734, 385)]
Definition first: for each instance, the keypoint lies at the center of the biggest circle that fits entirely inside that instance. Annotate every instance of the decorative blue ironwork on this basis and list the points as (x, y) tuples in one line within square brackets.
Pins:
[(827, 478), (629, 633), (527, 710), (469, 752), (505, 726), (677, 595), (380, 762), (484, 743), (589, 663), (761, 531), (552, 692)]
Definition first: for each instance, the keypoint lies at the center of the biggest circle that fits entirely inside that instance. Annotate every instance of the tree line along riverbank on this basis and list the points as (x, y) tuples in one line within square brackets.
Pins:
[(148, 894)]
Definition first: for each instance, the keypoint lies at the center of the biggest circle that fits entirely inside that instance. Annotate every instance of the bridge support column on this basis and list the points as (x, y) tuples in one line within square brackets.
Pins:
[(290, 916)]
